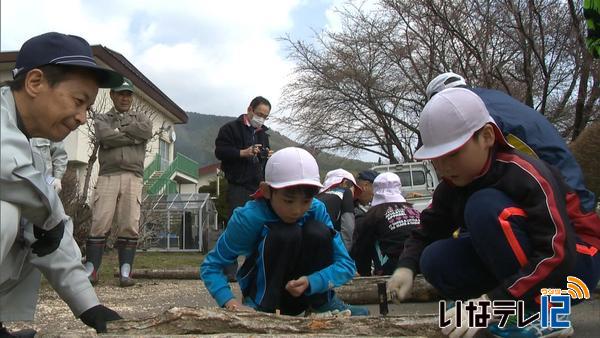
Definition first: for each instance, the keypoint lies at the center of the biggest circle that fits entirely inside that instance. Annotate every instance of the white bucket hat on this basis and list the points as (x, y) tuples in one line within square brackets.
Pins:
[(335, 177), (292, 166), (387, 188), (449, 120), (444, 81)]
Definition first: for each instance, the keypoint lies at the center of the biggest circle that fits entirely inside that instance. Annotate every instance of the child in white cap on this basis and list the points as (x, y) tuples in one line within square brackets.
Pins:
[(530, 132), (294, 257), (385, 227), (338, 195), (515, 235)]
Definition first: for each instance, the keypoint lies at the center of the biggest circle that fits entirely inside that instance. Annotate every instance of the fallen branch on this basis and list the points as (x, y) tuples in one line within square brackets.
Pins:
[(214, 321)]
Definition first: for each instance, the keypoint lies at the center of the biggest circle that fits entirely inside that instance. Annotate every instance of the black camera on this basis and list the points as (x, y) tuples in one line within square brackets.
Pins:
[(263, 153)]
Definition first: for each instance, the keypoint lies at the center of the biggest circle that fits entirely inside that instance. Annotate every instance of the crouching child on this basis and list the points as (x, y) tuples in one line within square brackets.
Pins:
[(294, 257), (516, 235)]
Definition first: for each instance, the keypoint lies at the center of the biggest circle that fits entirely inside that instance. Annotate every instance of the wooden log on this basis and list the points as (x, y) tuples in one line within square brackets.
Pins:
[(218, 321), (360, 290), (363, 290)]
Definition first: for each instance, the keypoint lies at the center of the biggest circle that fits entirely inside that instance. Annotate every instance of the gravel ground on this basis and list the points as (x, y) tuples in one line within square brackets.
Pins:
[(146, 298), (151, 297)]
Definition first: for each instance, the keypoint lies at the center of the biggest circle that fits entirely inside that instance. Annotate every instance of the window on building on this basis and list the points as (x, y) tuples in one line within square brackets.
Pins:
[(164, 152)]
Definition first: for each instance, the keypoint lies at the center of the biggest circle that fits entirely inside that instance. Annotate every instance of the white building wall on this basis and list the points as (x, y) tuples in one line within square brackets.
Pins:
[(188, 188), (206, 179), (5, 75)]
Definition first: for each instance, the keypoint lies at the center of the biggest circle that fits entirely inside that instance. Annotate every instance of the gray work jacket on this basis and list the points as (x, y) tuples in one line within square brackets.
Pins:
[(54, 155), (20, 182)]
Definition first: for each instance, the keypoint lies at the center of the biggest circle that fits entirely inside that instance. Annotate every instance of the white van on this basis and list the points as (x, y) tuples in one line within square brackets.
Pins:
[(419, 180)]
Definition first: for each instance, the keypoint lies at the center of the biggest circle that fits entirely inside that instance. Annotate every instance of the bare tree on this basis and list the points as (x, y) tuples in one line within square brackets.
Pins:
[(346, 94), (75, 206), (364, 87), (586, 104)]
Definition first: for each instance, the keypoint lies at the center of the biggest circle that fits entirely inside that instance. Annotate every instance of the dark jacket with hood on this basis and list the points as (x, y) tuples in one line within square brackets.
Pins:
[(536, 188)]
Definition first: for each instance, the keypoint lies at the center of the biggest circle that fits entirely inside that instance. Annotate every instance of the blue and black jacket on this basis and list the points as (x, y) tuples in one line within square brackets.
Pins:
[(245, 235)]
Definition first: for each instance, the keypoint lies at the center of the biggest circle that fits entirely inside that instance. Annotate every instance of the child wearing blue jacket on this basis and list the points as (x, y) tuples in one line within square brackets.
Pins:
[(294, 257)]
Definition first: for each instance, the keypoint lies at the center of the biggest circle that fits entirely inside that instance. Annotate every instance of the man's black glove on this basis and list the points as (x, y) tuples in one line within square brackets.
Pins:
[(97, 317), (47, 240)]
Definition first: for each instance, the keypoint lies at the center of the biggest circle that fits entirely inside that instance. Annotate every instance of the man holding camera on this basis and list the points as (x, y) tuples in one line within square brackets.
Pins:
[(242, 145)]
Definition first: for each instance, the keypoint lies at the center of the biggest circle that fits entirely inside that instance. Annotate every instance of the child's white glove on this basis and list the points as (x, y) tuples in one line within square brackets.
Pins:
[(464, 330), (400, 283)]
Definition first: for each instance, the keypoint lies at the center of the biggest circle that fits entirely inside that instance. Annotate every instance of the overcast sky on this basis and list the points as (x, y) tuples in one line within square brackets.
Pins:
[(210, 57)]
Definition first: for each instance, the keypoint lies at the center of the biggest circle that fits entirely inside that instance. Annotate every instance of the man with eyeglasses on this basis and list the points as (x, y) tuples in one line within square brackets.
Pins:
[(242, 145)]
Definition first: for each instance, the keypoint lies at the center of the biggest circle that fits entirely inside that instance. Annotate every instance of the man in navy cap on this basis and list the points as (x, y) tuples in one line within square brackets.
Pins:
[(56, 80), (365, 180), (362, 204)]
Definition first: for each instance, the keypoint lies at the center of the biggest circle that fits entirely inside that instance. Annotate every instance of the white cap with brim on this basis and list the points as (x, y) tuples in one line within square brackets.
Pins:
[(337, 176), (444, 81), (291, 167), (449, 120), (387, 188)]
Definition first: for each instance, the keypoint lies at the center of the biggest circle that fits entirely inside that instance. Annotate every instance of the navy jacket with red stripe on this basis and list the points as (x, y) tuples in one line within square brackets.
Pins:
[(535, 187)]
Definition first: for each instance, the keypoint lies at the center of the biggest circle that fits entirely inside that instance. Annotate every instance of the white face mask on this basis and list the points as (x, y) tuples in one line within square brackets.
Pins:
[(257, 121)]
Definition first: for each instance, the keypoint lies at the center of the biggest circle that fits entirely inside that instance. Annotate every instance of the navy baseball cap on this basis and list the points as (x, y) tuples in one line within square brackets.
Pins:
[(367, 175), (62, 49)]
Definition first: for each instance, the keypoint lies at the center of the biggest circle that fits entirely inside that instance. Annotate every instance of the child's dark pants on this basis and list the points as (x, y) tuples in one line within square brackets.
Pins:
[(495, 246), (287, 252)]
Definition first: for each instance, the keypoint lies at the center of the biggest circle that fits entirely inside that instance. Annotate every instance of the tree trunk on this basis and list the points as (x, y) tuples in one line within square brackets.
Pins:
[(88, 171), (580, 102), (215, 321)]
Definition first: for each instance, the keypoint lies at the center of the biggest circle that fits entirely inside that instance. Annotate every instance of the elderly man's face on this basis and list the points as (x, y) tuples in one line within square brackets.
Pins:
[(122, 100), (366, 195), (58, 110)]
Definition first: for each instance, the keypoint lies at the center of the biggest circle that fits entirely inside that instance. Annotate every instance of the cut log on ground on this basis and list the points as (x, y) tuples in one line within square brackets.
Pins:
[(360, 290), (217, 321), (363, 290)]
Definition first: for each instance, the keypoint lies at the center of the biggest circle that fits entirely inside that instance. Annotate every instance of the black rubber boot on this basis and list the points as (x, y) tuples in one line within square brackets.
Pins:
[(94, 249), (126, 247), (25, 333)]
